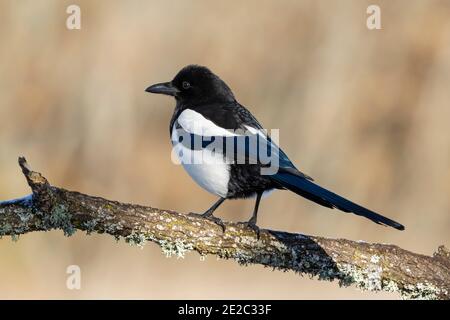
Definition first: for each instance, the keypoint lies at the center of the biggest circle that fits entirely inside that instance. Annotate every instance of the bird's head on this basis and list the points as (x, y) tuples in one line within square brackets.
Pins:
[(195, 85)]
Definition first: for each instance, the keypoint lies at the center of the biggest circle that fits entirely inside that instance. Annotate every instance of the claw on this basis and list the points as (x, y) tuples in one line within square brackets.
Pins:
[(209, 217), (217, 221), (252, 225)]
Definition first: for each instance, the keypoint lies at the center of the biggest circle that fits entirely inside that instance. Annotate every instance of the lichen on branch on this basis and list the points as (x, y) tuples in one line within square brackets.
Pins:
[(373, 267)]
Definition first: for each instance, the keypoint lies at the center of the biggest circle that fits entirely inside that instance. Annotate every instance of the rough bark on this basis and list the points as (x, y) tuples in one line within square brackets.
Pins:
[(369, 266)]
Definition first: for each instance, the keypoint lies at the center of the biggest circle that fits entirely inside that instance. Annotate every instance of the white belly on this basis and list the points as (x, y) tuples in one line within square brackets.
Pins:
[(213, 178), (211, 173)]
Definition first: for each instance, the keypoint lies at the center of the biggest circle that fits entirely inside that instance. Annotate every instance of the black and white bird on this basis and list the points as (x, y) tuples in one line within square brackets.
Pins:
[(207, 109)]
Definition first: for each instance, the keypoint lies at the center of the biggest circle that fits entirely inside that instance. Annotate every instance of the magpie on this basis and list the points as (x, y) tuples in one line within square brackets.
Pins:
[(207, 109)]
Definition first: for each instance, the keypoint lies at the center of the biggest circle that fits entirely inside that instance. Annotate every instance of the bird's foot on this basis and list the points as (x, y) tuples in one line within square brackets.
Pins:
[(252, 225), (210, 217)]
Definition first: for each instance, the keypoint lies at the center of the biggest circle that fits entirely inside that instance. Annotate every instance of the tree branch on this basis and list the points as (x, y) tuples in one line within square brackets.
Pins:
[(371, 267)]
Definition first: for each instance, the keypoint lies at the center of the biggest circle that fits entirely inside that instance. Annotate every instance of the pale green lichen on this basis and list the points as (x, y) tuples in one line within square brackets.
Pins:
[(371, 279), (421, 291), (136, 239), (13, 231), (23, 211), (364, 279), (90, 225), (241, 257), (305, 261), (60, 218), (113, 227), (179, 248), (390, 286), (15, 237), (6, 229), (24, 215)]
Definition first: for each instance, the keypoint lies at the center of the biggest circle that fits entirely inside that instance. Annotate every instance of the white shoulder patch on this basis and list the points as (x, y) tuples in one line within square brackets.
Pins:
[(194, 123), (256, 131)]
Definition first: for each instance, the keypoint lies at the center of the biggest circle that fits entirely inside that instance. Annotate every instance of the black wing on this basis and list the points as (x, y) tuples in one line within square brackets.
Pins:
[(236, 119)]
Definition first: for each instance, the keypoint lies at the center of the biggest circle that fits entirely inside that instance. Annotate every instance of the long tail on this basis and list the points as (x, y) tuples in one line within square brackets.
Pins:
[(313, 192)]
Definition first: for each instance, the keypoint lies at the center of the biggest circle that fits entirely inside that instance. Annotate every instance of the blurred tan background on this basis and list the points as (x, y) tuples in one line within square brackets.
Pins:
[(366, 113)]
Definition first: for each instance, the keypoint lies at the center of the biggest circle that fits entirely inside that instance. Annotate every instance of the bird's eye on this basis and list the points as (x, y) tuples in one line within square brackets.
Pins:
[(186, 85)]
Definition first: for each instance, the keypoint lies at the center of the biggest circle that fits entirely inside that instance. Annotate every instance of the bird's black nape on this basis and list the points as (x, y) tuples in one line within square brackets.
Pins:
[(196, 85)]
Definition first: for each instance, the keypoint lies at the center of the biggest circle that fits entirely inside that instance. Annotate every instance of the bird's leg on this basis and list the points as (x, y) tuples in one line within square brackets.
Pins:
[(252, 222), (209, 213)]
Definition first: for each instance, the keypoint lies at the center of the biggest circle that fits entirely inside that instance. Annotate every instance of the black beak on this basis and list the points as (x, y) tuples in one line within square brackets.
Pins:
[(166, 88)]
